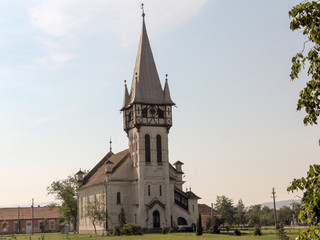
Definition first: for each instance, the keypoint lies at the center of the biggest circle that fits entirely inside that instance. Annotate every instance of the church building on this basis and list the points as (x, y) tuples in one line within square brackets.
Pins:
[(140, 179)]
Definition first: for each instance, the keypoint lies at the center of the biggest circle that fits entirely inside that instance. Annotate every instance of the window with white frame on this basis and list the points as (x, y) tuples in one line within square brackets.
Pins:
[(51, 224)]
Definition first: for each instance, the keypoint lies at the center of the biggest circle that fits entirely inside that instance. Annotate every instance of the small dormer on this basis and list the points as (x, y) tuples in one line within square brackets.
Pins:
[(178, 166), (80, 176), (109, 166)]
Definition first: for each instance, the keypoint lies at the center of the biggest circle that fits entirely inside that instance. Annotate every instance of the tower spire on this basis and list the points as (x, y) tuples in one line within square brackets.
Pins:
[(142, 7), (146, 86), (110, 142)]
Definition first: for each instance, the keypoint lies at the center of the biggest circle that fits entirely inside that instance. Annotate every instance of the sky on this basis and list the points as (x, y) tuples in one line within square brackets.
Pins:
[(236, 129)]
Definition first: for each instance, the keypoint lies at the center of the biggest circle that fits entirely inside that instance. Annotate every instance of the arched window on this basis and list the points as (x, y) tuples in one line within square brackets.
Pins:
[(147, 147), (159, 149), (181, 221), (118, 197)]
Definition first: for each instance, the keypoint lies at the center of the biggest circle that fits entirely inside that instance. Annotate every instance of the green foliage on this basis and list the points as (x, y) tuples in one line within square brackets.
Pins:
[(237, 232), (199, 229), (254, 215), (4, 225), (43, 224), (225, 206), (122, 218), (281, 232), (214, 224), (310, 203), (163, 230), (131, 229), (257, 230), (240, 213), (306, 16), (116, 231), (285, 215), (65, 191), (171, 230), (95, 211)]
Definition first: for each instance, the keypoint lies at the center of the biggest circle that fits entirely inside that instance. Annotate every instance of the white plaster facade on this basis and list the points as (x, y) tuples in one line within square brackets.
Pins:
[(141, 179)]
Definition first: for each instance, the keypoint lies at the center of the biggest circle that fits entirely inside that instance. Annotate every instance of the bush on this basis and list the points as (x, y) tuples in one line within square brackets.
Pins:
[(199, 228), (237, 232), (257, 230), (116, 231), (281, 233), (163, 230), (214, 229), (171, 230), (215, 224), (131, 229)]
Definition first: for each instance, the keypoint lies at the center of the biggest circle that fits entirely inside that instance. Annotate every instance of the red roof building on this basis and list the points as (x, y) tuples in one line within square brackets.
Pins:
[(207, 212), (24, 215)]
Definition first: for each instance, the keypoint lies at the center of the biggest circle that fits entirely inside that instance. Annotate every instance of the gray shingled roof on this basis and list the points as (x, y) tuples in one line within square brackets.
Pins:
[(146, 86), (98, 173)]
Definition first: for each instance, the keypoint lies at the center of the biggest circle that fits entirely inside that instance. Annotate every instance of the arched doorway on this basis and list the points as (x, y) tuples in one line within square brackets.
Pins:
[(156, 219)]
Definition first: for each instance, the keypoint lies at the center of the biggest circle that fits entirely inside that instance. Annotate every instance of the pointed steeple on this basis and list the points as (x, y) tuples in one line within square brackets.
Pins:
[(146, 86), (126, 97), (166, 96)]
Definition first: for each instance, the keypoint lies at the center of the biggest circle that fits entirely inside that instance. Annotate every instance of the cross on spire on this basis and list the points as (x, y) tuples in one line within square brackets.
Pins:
[(142, 7)]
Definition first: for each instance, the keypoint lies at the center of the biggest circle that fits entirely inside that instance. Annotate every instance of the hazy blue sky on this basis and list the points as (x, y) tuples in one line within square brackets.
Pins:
[(62, 67)]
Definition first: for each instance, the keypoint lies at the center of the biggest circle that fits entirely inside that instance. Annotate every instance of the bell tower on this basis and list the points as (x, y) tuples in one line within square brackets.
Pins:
[(147, 119)]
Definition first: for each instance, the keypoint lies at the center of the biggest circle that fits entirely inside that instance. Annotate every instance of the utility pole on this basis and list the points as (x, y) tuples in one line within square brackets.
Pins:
[(32, 207), (18, 219), (274, 207)]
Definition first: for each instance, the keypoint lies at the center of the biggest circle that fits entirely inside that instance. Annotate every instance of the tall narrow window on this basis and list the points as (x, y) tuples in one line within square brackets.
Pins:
[(147, 147), (159, 149), (160, 190), (149, 192), (118, 197)]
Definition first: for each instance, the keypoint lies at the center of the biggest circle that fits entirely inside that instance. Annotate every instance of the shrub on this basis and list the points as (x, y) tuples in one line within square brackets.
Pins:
[(163, 230), (215, 224), (237, 232), (116, 231), (281, 233), (257, 230), (131, 229), (199, 228), (171, 230), (214, 229)]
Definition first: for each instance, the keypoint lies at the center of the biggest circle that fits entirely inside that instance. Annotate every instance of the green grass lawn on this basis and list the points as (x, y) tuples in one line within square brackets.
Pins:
[(269, 234)]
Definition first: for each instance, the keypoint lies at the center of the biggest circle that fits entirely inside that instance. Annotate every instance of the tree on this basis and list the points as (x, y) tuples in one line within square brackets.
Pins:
[(285, 215), (240, 212), (267, 216), (213, 224), (43, 224), (4, 225), (306, 16), (224, 205), (254, 215), (199, 228), (65, 191), (310, 202), (122, 218), (95, 211)]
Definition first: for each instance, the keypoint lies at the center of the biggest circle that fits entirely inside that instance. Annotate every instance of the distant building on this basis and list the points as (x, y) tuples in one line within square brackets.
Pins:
[(207, 212), (24, 215), (140, 179)]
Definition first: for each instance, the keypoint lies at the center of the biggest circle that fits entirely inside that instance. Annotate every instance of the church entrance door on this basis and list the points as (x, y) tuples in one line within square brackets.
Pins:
[(156, 219)]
